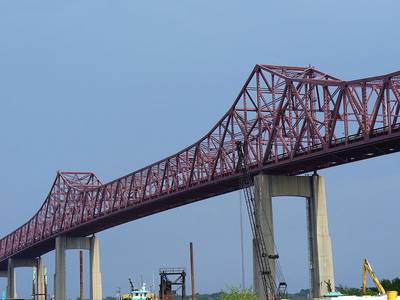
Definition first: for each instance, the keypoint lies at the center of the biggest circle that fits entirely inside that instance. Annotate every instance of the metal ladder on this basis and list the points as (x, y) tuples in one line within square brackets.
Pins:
[(272, 291)]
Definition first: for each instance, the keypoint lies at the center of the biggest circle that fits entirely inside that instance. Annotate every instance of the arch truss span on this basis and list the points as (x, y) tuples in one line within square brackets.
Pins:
[(291, 120)]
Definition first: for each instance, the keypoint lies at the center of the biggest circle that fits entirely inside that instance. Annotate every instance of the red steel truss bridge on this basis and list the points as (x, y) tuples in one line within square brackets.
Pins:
[(291, 120)]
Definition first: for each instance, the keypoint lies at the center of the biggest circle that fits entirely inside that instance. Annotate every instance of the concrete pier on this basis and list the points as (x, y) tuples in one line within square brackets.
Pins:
[(320, 245), (35, 263), (11, 280), (95, 274), (82, 243), (320, 248), (40, 280)]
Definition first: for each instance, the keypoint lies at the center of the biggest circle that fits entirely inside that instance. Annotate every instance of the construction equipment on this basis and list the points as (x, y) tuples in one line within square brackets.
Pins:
[(271, 289), (366, 267)]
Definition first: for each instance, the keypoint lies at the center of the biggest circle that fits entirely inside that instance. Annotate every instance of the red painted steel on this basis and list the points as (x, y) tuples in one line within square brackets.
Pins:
[(291, 120)]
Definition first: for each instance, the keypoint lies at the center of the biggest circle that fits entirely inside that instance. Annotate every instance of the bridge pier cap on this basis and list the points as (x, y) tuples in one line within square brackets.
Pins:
[(319, 242)]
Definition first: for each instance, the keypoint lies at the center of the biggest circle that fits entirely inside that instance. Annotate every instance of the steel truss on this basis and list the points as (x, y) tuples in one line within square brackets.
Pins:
[(291, 120)]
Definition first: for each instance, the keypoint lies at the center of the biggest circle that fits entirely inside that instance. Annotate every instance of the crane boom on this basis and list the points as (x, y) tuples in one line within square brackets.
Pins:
[(131, 284), (272, 290), (367, 268)]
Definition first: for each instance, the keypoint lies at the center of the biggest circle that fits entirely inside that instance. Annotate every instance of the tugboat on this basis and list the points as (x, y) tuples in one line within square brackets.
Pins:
[(138, 294)]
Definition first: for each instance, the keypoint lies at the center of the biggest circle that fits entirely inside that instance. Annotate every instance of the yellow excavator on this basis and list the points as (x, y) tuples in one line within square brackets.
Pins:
[(367, 268)]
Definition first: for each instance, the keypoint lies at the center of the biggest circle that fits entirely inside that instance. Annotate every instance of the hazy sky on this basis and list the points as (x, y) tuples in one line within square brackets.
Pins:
[(110, 86)]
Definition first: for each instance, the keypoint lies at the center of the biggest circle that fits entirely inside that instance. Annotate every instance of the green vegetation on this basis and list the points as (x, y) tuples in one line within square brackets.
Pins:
[(391, 285), (351, 291), (301, 295), (234, 293), (388, 285), (214, 296), (238, 294)]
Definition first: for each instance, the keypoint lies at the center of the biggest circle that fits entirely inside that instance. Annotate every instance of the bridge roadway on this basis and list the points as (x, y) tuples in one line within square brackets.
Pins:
[(292, 120)]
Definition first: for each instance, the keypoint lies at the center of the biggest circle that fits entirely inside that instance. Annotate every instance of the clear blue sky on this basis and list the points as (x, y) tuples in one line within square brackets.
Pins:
[(110, 86)]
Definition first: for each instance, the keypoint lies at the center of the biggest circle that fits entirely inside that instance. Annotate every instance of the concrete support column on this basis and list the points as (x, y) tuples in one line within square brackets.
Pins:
[(59, 276), (40, 280), (11, 280), (320, 245), (84, 243), (95, 274), (320, 248)]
